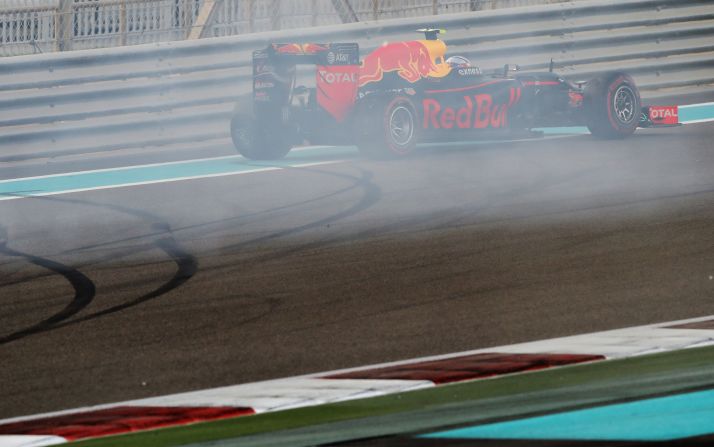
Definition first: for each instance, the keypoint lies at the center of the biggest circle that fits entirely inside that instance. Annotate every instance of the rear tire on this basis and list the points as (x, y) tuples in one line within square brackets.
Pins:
[(613, 105), (387, 128), (257, 143)]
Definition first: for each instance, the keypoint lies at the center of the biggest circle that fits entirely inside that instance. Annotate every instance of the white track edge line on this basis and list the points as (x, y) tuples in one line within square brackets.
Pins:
[(4, 197), (374, 366)]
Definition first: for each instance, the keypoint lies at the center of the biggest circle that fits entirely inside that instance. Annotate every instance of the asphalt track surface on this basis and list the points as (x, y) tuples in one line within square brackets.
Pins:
[(125, 293)]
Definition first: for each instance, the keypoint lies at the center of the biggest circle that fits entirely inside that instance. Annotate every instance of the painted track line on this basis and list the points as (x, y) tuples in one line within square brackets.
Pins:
[(124, 168), (4, 195)]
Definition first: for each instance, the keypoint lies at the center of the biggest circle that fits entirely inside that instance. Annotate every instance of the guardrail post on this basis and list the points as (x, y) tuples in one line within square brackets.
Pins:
[(122, 23), (58, 27), (251, 15), (275, 19), (345, 11), (187, 16), (204, 17), (64, 29)]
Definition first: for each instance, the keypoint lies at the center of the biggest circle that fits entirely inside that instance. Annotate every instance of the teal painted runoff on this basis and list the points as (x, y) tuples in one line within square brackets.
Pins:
[(657, 419), (88, 180), (696, 112)]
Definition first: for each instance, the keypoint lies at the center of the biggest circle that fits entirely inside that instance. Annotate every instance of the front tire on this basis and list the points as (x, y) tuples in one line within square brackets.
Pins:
[(255, 142), (613, 105), (388, 129)]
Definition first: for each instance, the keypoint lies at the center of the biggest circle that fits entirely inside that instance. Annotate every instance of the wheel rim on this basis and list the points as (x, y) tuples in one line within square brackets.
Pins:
[(623, 104), (401, 125), (242, 137)]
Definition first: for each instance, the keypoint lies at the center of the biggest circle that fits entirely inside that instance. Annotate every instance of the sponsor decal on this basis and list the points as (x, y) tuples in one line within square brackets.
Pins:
[(479, 112), (411, 60), (337, 89), (263, 84), (337, 77), (261, 96), (469, 71), (261, 68), (575, 99), (333, 57), (664, 114)]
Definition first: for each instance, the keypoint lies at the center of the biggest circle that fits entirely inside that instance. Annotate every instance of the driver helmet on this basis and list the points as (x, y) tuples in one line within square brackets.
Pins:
[(458, 62)]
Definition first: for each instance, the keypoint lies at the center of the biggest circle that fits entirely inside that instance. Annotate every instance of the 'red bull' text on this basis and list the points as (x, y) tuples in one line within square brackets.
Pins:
[(479, 112)]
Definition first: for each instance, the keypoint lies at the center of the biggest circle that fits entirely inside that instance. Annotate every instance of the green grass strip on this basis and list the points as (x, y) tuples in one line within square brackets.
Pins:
[(467, 402)]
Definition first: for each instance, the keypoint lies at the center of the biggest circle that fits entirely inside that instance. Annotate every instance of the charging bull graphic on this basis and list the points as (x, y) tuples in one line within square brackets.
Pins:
[(411, 60)]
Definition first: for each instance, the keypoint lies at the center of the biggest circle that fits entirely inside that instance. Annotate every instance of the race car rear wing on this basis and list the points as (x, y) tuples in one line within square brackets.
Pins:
[(336, 74), (659, 116)]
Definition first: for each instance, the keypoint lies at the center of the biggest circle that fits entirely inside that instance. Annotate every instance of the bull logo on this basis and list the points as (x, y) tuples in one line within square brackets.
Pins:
[(411, 60)]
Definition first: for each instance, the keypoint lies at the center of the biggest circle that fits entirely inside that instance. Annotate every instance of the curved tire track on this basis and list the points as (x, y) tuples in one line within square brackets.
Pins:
[(84, 292), (187, 264), (187, 267)]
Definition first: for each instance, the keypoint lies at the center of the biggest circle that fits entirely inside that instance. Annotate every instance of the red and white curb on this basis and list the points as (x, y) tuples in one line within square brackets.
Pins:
[(355, 383)]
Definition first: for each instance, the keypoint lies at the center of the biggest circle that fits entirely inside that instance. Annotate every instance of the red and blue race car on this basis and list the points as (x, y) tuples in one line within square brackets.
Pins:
[(405, 93)]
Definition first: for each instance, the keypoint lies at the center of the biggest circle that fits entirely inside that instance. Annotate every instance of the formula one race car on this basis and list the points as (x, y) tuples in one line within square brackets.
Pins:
[(404, 93)]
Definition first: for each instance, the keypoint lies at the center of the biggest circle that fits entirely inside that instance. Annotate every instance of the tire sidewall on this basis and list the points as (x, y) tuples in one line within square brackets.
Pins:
[(622, 81), (600, 96), (256, 143), (243, 134)]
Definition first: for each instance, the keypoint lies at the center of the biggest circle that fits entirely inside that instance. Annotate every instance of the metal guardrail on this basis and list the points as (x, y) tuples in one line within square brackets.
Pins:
[(41, 26), (60, 25), (185, 91)]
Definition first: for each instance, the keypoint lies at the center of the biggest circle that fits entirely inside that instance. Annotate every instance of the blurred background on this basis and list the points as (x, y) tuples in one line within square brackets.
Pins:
[(39, 26)]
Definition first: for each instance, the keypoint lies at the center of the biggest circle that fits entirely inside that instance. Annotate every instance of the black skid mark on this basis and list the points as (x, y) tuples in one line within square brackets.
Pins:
[(187, 264), (84, 291), (187, 267), (270, 304), (118, 253), (372, 194)]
